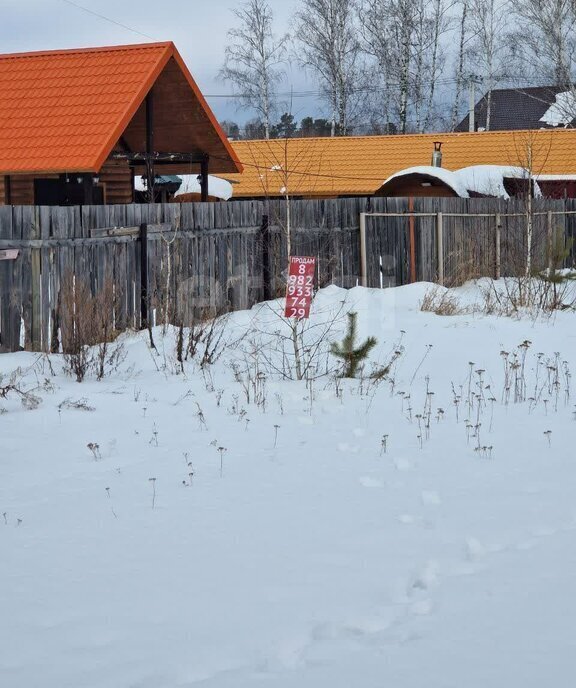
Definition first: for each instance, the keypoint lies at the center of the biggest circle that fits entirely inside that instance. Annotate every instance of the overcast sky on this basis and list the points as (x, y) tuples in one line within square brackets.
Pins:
[(197, 27)]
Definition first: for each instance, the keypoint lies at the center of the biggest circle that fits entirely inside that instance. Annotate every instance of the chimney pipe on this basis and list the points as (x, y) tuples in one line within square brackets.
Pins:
[(437, 154)]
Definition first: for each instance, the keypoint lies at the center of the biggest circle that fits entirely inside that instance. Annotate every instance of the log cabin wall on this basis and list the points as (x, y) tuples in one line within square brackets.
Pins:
[(21, 190), (116, 177)]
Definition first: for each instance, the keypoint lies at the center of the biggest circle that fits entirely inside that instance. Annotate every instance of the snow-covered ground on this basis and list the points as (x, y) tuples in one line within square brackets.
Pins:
[(417, 533)]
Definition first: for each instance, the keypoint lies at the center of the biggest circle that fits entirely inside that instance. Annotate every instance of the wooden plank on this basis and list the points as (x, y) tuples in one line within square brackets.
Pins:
[(45, 226), (36, 298), (98, 232), (440, 247), (5, 281), (20, 290), (163, 227)]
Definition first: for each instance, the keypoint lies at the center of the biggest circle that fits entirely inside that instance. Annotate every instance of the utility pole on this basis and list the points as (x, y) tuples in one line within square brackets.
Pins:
[(472, 81)]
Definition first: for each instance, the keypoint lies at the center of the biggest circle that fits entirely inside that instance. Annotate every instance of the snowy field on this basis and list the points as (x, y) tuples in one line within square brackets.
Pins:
[(158, 529)]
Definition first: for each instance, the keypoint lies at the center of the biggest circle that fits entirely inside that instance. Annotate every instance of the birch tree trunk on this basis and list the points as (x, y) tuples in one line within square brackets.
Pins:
[(327, 35), (463, 25), (488, 48), (436, 29), (254, 59)]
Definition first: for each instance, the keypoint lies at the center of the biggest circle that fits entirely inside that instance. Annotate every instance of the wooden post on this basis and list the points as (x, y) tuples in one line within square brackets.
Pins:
[(150, 174), (440, 246), (7, 190), (412, 239), (498, 248), (36, 324), (204, 179), (132, 185), (550, 235), (88, 189), (144, 297), (363, 261), (471, 103), (265, 257)]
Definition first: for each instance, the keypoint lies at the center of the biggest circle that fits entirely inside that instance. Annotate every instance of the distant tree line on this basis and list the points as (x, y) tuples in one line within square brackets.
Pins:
[(286, 127), (393, 66)]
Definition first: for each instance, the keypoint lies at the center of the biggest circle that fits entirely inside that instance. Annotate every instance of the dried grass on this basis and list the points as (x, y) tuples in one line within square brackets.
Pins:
[(440, 301), (87, 328)]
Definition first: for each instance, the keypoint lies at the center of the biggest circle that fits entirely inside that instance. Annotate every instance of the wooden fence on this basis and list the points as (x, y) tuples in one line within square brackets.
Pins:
[(172, 261)]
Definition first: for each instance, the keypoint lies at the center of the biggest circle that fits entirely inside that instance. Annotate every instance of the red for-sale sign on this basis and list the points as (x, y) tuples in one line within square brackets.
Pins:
[(300, 287)]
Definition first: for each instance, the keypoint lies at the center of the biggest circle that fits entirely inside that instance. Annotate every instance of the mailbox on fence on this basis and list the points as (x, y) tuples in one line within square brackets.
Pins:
[(9, 254)]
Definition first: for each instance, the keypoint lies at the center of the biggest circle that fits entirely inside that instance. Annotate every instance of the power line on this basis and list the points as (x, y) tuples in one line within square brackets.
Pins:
[(318, 93), (111, 21), (374, 89)]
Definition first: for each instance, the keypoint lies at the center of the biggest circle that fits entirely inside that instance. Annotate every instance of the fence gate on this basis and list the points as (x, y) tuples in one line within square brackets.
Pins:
[(452, 247)]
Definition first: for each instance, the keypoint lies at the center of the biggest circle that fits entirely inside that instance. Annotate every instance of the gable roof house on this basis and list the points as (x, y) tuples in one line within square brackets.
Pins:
[(370, 165), (538, 107), (76, 126)]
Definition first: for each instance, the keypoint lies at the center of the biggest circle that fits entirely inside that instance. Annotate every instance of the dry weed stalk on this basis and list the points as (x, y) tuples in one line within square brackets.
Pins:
[(88, 331), (440, 301)]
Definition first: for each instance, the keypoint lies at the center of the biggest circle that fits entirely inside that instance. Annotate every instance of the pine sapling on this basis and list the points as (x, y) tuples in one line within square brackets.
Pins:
[(351, 354)]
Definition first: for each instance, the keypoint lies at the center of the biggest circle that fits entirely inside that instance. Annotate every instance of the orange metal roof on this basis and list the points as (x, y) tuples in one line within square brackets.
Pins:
[(358, 165), (64, 110)]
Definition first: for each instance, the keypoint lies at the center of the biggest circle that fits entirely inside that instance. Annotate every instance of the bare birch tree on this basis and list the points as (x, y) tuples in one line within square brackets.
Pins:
[(387, 28), (547, 46), (547, 29), (326, 35), (404, 39), (488, 46), (460, 62), (436, 23), (254, 58)]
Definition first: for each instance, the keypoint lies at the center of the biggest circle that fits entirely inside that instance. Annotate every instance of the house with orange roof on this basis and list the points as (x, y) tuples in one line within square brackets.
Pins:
[(393, 165), (76, 126)]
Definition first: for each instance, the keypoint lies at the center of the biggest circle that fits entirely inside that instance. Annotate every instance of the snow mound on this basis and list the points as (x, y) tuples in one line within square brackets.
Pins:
[(217, 187), (487, 180), (236, 528)]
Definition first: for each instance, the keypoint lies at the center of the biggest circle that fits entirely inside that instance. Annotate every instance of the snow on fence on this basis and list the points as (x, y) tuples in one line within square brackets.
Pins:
[(174, 262)]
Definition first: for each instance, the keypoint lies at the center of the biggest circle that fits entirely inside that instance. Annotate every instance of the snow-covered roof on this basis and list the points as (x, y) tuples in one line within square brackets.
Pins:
[(562, 111), (554, 177), (440, 173), (487, 180), (217, 187)]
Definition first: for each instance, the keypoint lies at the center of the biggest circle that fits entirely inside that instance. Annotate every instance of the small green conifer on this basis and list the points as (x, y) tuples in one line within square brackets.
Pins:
[(347, 351)]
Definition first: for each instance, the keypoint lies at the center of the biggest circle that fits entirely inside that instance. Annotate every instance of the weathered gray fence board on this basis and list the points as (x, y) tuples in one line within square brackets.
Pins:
[(6, 269), (209, 257)]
